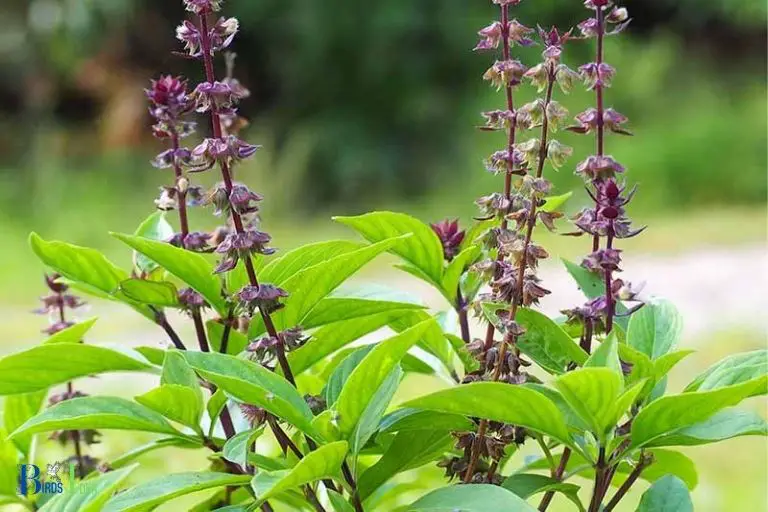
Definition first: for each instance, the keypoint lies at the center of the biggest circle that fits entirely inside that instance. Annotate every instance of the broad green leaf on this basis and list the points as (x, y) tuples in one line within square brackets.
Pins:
[(655, 329), (9, 460), (547, 343), (664, 364), (470, 498), (89, 496), (325, 462), (666, 462), (668, 494), (341, 373), (214, 407), (406, 420), (96, 412), (369, 420), (643, 369), (158, 444), (726, 424), (669, 414), (423, 250), (499, 402), (572, 419), (154, 227), (554, 203), (87, 267), (79, 263), (333, 337), (366, 379), (237, 447), (606, 355), (455, 269), (335, 309), (339, 503), (176, 402), (734, 369), (73, 334), (159, 490), (593, 285), (433, 339), (156, 293), (309, 286), (176, 370), (408, 450), (236, 343), (17, 409), (281, 269), (47, 365), (192, 268), (253, 384), (526, 485), (592, 393)]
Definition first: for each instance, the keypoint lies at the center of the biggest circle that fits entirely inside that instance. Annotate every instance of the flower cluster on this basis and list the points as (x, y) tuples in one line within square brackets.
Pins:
[(512, 256), (607, 220), (56, 304)]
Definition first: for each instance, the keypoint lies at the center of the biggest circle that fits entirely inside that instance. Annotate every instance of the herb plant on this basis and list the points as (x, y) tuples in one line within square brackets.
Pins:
[(290, 399)]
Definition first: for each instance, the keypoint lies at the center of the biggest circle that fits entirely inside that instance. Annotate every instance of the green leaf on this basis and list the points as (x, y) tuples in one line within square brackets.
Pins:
[(666, 462), (526, 485), (408, 450), (159, 490), (547, 343), (79, 263), (72, 334), (339, 503), (592, 393), (406, 420), (237, 447), (606, 355), (672, 413), (655, 329), (87, 267), (155, 227), (237, 341), (342, 372), (177, 403), (253, 384), (554, 203), (668, 494), (325, 462), (89, 496), (176, 370), (471, 498), (424, 250), (281, 269), (664, 364), (335, 309), (17, 409), (370, 374), (499, 402), (726, 424), (433, 340), (192, 268), (309, 286), (455, 269), (369, 420), (96, 412), (734, 369), (156, 293), (215, 405), (333, 337), (47, 365)]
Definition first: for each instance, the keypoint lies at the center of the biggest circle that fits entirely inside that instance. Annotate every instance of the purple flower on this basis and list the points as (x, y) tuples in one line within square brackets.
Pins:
[(217, 96), (222, 33), (202, 6), (597, 74), (188, 34), (191, 301), (504, 73), (599, 167), (450, 237), (266, 297), (230, 149), (602, 260), (243, 200), (241, 245)]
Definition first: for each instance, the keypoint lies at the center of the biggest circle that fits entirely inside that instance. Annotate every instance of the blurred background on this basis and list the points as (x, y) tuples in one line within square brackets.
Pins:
[(372, 105)]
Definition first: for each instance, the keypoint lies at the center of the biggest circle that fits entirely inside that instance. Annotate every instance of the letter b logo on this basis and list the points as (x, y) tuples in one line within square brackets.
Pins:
[(29, 473)]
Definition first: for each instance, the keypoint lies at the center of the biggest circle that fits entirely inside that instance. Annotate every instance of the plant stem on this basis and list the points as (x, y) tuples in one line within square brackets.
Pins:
[(349, 477), (461, 309), (162, 321), (224, 345), (629, 482), (75, 434), (600, 478), (547, 499)]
